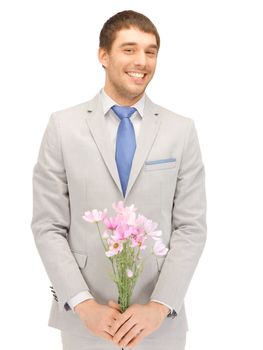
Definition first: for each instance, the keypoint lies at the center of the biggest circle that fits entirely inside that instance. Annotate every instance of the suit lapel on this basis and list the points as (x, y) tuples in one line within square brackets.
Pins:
[(97, 126), (148, 131)]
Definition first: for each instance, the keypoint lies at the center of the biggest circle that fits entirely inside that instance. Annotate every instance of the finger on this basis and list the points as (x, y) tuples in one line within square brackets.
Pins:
[(121, 319), (135, 341), (108, 322), (114, 305), (107, 329), (133, 333), (111, 316), (106, 336), (123, 330)]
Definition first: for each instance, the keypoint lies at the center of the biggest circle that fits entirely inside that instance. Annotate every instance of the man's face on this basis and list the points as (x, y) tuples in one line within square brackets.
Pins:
[(129, 65)]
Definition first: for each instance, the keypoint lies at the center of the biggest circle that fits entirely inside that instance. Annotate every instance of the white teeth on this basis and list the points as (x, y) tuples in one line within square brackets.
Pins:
[(136, 75)]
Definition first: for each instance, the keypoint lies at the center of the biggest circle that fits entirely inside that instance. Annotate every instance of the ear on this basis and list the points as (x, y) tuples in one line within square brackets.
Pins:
[(103, 57)]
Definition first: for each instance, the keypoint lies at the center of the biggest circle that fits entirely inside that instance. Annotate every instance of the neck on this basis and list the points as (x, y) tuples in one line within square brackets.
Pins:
[(123, 100)]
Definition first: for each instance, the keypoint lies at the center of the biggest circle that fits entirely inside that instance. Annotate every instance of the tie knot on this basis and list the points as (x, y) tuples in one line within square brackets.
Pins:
[(123, 111)]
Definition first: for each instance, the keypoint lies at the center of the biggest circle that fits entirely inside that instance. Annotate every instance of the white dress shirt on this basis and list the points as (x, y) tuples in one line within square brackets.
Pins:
[(112, 122)]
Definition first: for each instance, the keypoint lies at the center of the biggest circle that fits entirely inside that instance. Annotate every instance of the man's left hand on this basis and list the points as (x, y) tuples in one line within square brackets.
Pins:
[(137, 322)]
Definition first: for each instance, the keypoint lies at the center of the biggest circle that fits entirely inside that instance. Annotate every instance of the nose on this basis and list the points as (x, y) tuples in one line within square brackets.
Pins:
[(140, 58)]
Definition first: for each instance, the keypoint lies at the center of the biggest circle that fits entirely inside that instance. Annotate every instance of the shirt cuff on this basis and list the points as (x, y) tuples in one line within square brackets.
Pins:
[(160, 302), (78, 298)]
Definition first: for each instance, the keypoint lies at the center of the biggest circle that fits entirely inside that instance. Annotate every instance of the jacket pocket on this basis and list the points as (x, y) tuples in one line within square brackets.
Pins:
[(81, 259), (160, 164)]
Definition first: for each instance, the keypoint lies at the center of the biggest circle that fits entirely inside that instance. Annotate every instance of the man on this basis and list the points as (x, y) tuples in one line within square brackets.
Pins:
[(119, 146)]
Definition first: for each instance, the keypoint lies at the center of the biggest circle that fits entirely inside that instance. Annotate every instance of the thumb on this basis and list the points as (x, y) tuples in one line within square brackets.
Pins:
[(114, 305)]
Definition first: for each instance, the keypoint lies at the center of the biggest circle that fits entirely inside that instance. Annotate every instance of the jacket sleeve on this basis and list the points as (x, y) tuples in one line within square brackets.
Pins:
[(188, 234), (51, 217)]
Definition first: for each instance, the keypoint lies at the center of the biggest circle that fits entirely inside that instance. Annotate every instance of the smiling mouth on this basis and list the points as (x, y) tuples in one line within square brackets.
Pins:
[(136, 75)]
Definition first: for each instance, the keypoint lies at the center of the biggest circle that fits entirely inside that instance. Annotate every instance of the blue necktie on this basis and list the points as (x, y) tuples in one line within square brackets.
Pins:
[(125, 144)]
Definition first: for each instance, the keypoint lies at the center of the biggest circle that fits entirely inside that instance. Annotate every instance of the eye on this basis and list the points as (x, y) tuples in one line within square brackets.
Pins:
[(128, 51), (151, 53)]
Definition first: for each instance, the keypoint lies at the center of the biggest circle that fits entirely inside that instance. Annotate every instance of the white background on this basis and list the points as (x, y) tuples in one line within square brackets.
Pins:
[(209, 69)]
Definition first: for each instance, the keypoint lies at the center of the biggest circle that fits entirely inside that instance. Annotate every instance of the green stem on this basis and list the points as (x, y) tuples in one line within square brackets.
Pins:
[(106, 248), (103, 243)]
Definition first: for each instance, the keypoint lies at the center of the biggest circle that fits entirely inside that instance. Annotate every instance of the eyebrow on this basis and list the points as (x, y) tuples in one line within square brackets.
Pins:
[(152, 46)]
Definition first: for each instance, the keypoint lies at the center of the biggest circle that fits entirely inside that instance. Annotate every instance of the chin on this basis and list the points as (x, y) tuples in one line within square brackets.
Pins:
[(136, 91)]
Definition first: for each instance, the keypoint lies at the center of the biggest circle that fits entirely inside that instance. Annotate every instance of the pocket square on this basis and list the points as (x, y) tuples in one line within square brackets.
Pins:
[(160, 161)]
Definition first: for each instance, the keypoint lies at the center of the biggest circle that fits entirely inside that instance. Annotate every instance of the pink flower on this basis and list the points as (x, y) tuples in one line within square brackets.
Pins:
[(159, 248), (114, 248), (131, 218), (134, 231), (111, 223), (140, 220), (121, 209), (94, 215), (149, 226), (138, 241), (125, 213), (122, 232)]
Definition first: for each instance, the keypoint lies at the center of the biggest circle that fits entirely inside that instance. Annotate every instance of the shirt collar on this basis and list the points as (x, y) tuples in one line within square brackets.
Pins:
[(108, 102)]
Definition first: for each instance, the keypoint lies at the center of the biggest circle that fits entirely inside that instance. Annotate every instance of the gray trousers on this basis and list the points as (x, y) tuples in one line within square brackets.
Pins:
[(75, 342)]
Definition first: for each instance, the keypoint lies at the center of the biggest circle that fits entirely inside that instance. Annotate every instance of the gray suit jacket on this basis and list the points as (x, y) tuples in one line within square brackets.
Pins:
[(76, 171)]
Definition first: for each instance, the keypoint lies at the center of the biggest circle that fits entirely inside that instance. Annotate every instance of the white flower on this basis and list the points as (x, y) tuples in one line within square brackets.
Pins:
[(94, 215), (156, 235), (129, 273), (114, 248)]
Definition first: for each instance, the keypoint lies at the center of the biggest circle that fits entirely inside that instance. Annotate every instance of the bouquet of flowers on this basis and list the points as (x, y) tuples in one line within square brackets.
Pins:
[(124, 239)]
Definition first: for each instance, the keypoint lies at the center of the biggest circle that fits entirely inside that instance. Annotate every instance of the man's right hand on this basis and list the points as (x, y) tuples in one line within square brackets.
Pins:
[(97, 318)]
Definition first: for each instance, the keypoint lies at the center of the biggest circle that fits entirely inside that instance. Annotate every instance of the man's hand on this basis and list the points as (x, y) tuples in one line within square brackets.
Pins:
[(137, 322), (98, 318)]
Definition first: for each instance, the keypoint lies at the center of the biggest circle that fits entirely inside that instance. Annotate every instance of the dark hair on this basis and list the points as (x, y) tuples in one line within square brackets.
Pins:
[(125, 20)]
